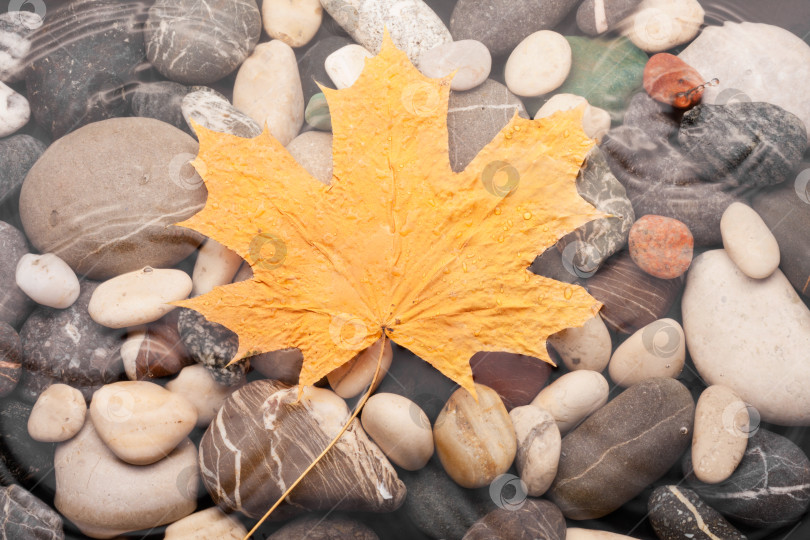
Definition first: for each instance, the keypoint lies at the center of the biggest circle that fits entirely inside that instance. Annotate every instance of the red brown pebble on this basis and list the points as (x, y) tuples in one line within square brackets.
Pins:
[(661, 246), (155, 351), (670, 80)]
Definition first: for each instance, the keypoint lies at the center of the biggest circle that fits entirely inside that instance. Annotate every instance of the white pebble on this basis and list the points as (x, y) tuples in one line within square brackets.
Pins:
[(14, 110), (57, 415), (400, 428), (294, 22), (657, 350), (470, 59), (595, 121), (216, 265), (48, 280), (538, 447), (346, 64), (720, 436), (196, 384), (209, 524), (539, 64), (748, 241), (659, 25), (573, 397), (585, 347), (138, 297)]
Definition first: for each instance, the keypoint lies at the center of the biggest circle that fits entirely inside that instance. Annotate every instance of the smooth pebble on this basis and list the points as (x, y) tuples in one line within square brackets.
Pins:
[(293, 22), (595, 121), (722, 429), (584, 347), (216, 265), (660, 25), (209, 524), (58, 414), (313, 151), (400, 428), (573, 397), (14, 110), (470, 59), (539, 64), (538, 447), (47, 280), (345, 64), (196, 384), (748, 241), (354, 376), (657, 350)]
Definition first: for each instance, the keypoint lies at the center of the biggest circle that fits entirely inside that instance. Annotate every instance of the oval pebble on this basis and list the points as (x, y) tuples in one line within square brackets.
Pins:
[(155, 350), (294, 23), (470, 59), (661, 246), (660, 25), (196, 384), (141, 422), (573, 397), (676, 512), (58, 414), (475, 441), (657, 350), (595, 121), (672, 81), (400, 428), (722, 429), (585, 347), (138, 297), (539, 64), (538, 447), (748, 241), (47, 280), (209, 524), (353, 377), (346, 64), (216, 265), (313, 151)]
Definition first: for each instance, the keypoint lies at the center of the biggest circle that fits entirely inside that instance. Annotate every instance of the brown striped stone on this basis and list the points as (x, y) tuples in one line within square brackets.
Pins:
[(263, 438), (632, 298), (533, 518), (10, 359)]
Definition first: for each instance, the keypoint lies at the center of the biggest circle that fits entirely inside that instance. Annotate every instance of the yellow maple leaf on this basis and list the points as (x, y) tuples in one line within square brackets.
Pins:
[(398, 244)]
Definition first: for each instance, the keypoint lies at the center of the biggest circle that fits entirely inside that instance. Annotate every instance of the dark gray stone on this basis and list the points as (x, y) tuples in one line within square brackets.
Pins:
[(675, 512), (22, 459), (614, 12), (193, 42), (533, 520), (661, 180), (14, 304), (162, 101), (311, 64), (502, 24), (622, 448), (211, 345), (18, 154), (474, 117), (213, 111), (10, 359), (67, 346), (769, 488), (786, 211), (329, 527), (25, 517), (81, 60), (743, 144), (656, 119)]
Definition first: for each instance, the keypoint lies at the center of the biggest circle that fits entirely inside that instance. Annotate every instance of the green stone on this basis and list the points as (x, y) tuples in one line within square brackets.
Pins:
[(606, 72), (317, 113)]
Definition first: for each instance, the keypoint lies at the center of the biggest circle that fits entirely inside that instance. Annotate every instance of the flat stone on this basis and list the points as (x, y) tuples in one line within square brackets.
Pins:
[(516, 378), (161, 100), (23, 515), (670, 80), (586, 347), (294, 23), (400, 428), (345, 64), (595, 121), (660, 25), (596, 17), (10, 359), (534, 519), (746, 57), (268, 89), (47, 280), (468, 58), (313, 151), (622, 448), (525, 76), (186, 44), (748, 241), (661, 246), (677, 512), (209, 524), (573, 397), (722, 430), (106, 497), (197, 385), (58, 414), (265, 419), (774, 470), (729, 320), (657, 350), (15, 305), (126, 168), (538, 447)]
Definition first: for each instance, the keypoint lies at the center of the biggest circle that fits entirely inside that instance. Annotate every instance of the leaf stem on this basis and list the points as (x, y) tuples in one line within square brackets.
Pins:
[(330, 445)]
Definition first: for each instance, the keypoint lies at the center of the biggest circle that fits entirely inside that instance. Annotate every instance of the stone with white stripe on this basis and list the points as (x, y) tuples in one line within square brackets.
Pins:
[(770, 488), (677, 512), (596, 17)]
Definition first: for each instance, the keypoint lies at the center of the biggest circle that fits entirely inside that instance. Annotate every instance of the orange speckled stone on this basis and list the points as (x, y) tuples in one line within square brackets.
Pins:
[(669, 79), (661, 246)]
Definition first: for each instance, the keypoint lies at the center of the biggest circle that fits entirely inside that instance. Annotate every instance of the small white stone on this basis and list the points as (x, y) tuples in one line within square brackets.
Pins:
[(14, 110), (539, 64), (313, 151), (659, 25), (346, 64), (140, 421), (58, 414), (595, 121), (354, 376), (470, 59), (720, 435), (657, 350), (585, 347), (209, 524), (268, 89), (294, 22), (48, 280), (538, 447), (575, 533), (138, 297), (196, 384), (400, 428), (748, 241), (216, 265), (573, 397)]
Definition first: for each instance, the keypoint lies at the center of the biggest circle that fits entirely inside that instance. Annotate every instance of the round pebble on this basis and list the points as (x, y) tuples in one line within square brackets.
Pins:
[(58, 414), (657, 350), (400, 428), (209, 524), (197, 386), (470, 59), (138, 297), (539, 64), (353, 377), (595, 121), (573, 397), (722, 429), (345, 64), (294, 23), (47, 280), (661, 246), (216, 265), (748, 241)]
